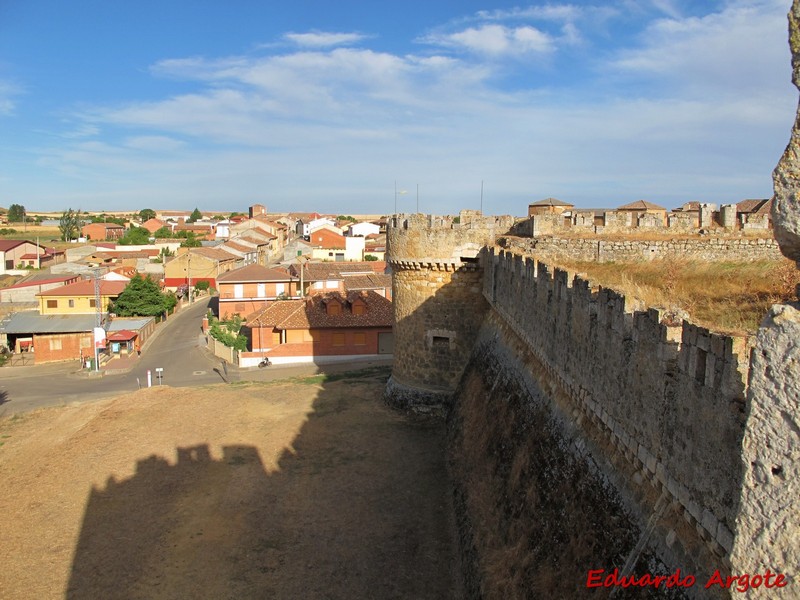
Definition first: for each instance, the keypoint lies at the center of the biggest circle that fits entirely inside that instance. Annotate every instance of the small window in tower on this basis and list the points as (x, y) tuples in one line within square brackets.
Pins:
[(439, 341)]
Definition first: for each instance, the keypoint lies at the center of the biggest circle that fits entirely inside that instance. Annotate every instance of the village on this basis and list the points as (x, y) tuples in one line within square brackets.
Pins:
[(68, 302), (281, 288)]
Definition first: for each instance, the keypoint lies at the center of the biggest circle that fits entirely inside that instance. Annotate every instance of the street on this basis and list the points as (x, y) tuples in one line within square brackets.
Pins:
[(177, 347)]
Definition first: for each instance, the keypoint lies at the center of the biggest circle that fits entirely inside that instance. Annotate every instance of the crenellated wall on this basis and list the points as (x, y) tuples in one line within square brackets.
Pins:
[(670, 397), (592, 249)]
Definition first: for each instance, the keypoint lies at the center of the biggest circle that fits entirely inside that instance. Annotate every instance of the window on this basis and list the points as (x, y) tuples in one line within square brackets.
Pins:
[(238, 290), (280, 288), (359, 339), (338, 339), (332, 285), (261, 291), (359, 308), (52, 304), (86, 342), (71, 303), (334, 308), (55, 344), (440, 341), (92, 303), (318, 285)]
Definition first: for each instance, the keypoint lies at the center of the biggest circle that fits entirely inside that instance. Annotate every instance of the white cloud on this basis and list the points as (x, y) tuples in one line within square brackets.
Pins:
[(731, 51), (319, 39), (154, 143), (496, 40)]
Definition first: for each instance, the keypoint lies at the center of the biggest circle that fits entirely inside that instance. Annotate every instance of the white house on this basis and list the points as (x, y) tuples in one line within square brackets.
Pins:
[(364, 229)]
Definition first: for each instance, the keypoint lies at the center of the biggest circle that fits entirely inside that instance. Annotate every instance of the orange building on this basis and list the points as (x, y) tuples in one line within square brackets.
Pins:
[(321, 328), (246, 290)]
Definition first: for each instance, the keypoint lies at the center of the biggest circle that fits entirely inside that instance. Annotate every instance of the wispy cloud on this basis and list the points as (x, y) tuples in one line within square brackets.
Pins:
[(496, 40), (8, 94), (731, 51), (321, 39)]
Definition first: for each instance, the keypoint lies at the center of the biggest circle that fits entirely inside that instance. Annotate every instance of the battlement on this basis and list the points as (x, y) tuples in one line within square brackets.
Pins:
[(439, 239)]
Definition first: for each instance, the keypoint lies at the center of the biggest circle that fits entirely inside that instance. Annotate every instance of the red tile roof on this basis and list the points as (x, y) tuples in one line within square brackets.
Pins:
[(255, 273), (86, 288), (641, 205), (311, 313)]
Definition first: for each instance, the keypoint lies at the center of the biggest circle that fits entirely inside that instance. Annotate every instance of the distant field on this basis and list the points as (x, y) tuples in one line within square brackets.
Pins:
[(31, 232), (729, 297)]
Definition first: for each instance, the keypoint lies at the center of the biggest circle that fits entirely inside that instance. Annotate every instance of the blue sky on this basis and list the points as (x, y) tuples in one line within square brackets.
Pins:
[(321, 105)]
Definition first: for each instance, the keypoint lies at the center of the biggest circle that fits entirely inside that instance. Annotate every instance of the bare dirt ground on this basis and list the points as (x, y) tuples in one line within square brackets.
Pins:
[(304, 489)]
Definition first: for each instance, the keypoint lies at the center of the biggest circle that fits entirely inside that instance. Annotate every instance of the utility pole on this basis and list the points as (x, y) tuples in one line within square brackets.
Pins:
[(98, 318), (188, 271)]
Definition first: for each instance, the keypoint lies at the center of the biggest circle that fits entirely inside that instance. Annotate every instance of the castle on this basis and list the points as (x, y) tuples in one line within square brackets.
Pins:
[(587, 437)]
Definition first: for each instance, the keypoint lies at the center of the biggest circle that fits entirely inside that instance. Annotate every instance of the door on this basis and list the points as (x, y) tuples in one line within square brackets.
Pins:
[(386, 343)]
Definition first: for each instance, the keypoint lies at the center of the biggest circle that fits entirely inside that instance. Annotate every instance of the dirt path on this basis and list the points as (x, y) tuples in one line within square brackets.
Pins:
[(285, 490)]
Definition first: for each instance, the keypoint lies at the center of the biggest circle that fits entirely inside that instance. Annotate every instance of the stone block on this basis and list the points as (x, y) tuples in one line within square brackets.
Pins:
[(724, 537)]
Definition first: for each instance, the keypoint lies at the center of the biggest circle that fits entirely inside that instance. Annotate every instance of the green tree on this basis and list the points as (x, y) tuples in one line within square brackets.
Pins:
[(16, 213), (195, 216), (135, 236), (191, 241), (227, 332), (162, 233), (69, 225), (147, 213), (142, 298)]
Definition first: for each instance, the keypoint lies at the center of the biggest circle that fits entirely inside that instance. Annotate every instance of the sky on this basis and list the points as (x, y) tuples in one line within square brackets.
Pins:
[(359, 107)]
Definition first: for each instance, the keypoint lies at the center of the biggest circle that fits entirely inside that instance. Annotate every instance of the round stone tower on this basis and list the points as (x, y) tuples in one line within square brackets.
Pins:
[(437, 292)]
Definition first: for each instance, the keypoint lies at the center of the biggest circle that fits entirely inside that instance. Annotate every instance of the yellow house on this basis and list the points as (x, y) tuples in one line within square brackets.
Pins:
[(79, 298), (199, 264)]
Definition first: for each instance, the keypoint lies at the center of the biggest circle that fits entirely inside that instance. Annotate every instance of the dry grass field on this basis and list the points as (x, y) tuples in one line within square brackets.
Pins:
[(729, 297), (303, 489)]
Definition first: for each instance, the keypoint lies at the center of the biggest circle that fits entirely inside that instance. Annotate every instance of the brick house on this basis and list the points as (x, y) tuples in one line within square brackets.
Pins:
[(246, 290), (320, 328), (102, 231)]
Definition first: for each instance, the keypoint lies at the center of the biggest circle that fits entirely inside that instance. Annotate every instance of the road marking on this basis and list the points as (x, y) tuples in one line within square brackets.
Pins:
[(199, 373)]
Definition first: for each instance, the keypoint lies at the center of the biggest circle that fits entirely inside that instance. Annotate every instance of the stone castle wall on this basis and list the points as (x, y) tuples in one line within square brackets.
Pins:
[(671, 398), (708, 250)]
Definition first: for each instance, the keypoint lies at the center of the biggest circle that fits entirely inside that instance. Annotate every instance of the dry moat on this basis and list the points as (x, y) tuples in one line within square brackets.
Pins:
[(306, 489)]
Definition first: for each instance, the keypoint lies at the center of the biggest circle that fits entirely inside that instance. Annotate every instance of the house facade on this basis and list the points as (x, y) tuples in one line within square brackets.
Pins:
[(246, 290), (18, 254), (198, 264), (321, 328), (79, 298), (102, 231)]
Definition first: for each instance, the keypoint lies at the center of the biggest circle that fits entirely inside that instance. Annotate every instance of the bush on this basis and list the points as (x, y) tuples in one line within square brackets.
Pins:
[(202, 286)]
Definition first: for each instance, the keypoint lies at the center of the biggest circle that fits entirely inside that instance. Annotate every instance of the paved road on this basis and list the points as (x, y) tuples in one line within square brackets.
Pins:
[(175, 347)]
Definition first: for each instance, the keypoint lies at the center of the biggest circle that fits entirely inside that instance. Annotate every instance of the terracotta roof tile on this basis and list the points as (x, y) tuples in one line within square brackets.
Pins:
[(255, 273), (86, 288), (311, 313)]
